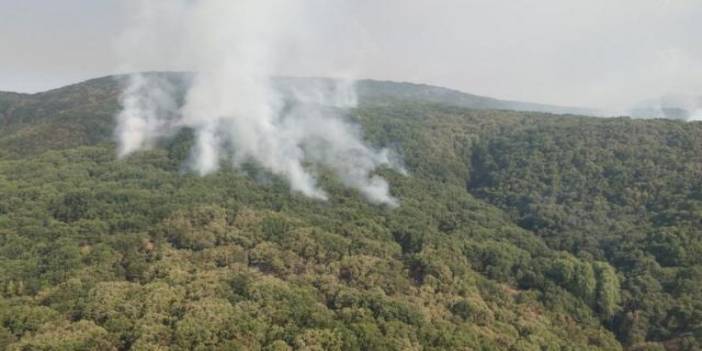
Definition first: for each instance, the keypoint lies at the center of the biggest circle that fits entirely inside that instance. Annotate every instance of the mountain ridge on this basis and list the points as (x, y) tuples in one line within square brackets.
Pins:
[(368, 88)]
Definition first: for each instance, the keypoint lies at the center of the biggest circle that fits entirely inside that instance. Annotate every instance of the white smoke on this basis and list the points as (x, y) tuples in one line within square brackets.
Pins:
[(232, 104), (147, 106), (680, 106)]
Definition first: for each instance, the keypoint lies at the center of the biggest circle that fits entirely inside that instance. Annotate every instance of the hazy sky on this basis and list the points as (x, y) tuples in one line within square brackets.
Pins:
[(597, 53)]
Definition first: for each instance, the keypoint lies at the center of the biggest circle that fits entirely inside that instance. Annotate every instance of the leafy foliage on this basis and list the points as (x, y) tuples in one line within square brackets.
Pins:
[(516, 231)]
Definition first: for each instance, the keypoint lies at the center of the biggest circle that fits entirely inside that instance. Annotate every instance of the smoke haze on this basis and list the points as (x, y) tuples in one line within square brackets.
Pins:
[(238, 115), (600, 54)]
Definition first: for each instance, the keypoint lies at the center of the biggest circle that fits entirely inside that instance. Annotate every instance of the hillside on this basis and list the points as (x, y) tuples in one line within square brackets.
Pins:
[(83, 113), (516, 231)]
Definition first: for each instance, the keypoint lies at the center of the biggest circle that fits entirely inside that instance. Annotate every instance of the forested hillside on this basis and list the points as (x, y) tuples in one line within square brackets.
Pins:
[(515, 231)]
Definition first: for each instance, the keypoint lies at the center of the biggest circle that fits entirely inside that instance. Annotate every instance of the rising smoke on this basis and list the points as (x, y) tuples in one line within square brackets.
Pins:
[(238, 111), (681, 107)]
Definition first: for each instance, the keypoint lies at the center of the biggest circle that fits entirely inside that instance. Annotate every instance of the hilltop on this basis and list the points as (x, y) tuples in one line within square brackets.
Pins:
[(83, 113)]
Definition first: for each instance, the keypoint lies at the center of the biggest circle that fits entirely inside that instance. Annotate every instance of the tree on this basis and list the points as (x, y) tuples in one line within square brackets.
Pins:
[(608, 290)]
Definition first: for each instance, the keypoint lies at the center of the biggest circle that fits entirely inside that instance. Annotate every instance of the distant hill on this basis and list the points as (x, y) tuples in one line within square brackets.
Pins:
[(104, 90), (84, 113), (385, 92)]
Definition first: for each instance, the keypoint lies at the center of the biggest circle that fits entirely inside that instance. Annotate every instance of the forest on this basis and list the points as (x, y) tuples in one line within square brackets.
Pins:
[(515, 231)]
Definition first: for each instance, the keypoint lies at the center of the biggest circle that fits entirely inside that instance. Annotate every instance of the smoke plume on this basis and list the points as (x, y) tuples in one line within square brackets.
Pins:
[(239, 113)]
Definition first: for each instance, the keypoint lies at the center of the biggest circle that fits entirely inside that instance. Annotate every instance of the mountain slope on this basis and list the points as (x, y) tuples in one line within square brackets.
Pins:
[(371, 90), (516, 231), (83, 113)]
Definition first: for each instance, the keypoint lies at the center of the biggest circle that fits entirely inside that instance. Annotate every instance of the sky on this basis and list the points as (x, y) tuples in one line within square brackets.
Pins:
[(587, 53)]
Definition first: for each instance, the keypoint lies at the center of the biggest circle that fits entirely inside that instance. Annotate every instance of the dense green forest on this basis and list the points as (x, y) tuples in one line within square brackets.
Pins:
[(516, 231)]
